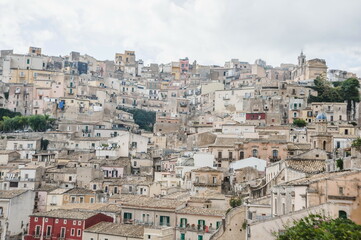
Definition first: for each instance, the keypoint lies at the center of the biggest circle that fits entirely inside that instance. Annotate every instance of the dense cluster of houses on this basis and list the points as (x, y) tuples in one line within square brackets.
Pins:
[(220, 133)]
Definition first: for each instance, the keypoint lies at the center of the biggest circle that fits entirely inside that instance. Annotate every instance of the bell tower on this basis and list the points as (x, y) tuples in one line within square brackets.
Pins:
[(301, 59)]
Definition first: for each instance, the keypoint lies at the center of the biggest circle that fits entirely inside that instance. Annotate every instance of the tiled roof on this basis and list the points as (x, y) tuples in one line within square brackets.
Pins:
[(8, 194), (206, 169), (46, 188), (66, 214), (307, 166), (202, 211), (320, 176), (225, 141), (123, 230), (101, 207), (80, 191), (148, 202)]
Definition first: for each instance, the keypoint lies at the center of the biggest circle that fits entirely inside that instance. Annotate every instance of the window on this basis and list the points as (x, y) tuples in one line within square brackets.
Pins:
[(275, 153), (79, 233), (164, 221), (201, 224), (200, 237), (56, 220), (37, 230), (35, 219), (81, 199), (48, 231), (340, 190), (241, 155), (182, 236), (275, 206), (218, 224), (92, 200), (74, 222), (65, 221), (183, 222), (342, 214), (214, 180), (127, 216), (72, 200), (63, 231), (255, 153), (346, 131), (46, 219), (72, 232)]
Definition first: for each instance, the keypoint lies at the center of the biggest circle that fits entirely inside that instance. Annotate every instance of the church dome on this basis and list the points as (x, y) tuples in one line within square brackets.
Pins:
[(321, 116)]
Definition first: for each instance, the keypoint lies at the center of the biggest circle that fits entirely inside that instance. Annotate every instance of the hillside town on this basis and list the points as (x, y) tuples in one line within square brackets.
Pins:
[(120, 149)]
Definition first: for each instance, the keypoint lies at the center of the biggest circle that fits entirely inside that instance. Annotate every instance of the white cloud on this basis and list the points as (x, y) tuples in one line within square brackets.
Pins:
[(210, 31)]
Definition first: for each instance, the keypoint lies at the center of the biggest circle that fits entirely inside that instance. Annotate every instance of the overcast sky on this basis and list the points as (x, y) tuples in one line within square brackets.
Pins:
[(209, 31)]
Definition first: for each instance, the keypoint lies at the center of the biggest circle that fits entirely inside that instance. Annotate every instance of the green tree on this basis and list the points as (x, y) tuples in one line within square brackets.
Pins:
[(321, 228), (347, 90), (235, 202), (350, 91), (7, 113), (339, 163), (356, 144), (145, 119), (299, 122)]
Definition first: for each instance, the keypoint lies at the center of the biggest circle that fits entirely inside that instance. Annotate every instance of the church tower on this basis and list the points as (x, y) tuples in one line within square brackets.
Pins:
[(301, 59), (321, 123), (322, 139)]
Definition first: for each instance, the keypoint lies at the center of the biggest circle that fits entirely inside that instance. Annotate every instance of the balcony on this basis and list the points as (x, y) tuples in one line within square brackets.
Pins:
[(198, 184), (274, 159), (86, 131), (27, 179), (196, 228), (225, 159), (166, 224), (12, 179), (128, 221)]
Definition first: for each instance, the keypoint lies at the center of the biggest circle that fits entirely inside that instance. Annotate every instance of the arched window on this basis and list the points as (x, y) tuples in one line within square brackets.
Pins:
[(342, 214), (255, 153), (241, 155), (275, 153)]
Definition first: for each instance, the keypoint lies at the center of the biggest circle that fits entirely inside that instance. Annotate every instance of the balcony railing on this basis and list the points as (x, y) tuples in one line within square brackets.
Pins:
[(164, 224), (197, 228), (225, 159), (198, 184)]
